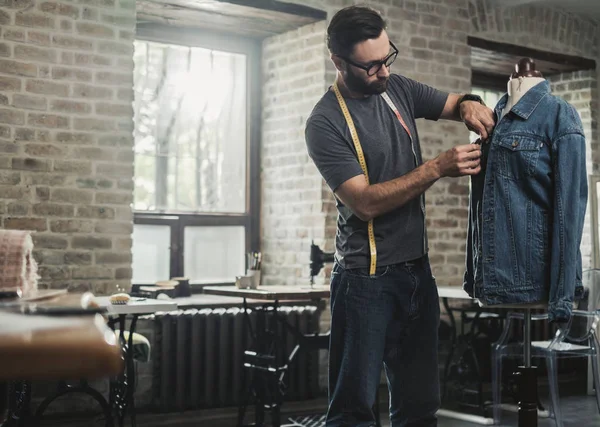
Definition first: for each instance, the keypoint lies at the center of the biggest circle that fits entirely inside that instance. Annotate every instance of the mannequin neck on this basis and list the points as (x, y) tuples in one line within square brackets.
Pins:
[(520, 86)]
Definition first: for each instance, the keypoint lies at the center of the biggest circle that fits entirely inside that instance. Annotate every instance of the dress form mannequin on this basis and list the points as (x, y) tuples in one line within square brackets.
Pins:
[(521, 80)]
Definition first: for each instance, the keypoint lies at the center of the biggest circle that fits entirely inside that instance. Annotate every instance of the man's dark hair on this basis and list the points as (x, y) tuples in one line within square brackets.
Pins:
[(353, 25)]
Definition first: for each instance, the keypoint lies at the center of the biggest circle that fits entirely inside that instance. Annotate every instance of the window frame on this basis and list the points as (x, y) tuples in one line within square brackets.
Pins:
[(250, 219), (489, 81)]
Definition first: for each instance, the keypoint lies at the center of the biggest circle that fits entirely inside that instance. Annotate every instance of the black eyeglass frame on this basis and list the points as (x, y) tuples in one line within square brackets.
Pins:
[(374, 64)]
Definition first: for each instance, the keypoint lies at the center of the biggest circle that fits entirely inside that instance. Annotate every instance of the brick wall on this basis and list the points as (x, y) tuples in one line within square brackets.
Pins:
[(579, 89), (292, 213), (66, 169), (432, 38)]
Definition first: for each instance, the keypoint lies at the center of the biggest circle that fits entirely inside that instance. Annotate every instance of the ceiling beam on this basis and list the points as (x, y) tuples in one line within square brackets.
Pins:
[(250, 18), (495, 57), (513, 3)]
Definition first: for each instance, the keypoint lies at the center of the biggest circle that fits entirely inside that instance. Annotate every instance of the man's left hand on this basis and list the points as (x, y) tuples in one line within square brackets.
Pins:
[(478, 118)]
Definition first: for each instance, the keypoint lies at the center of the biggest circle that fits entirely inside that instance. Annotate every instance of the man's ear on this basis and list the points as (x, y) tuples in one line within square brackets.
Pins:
[(338, 62)]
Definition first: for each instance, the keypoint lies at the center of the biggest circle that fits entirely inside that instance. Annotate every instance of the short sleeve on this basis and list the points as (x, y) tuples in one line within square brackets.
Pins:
[(332, 155), (428, 102)]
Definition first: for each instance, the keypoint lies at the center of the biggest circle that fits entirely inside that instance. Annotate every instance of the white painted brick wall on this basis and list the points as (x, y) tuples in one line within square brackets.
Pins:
[(66, 144), (292, 215)]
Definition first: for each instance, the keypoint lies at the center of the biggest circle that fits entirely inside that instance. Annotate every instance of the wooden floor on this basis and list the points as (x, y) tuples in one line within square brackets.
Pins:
[(578, 411)]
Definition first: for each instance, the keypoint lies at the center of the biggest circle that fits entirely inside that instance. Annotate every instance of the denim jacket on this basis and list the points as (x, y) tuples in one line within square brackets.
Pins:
[(527, 207)]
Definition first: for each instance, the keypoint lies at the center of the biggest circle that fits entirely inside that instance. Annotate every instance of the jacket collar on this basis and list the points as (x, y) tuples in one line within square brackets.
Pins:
[(529, 102)]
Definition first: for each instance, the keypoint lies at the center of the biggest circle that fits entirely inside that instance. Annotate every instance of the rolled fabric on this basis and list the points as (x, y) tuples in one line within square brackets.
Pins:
[(18, 268)]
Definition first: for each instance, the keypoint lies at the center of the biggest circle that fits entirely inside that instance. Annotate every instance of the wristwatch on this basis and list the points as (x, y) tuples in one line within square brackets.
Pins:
[(471, 97)]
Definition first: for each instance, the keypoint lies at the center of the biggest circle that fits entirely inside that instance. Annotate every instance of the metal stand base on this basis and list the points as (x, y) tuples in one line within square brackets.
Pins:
[(528, 411), (527, 380)]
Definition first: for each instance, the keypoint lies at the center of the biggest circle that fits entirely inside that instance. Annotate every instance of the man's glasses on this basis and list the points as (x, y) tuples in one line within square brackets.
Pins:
[(373, 67)]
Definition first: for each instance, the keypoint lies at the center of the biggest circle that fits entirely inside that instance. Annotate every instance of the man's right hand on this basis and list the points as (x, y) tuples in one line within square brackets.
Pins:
[(460, 160)]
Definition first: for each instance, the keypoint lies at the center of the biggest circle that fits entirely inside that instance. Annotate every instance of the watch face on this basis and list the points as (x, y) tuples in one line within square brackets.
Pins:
[(472, 98)]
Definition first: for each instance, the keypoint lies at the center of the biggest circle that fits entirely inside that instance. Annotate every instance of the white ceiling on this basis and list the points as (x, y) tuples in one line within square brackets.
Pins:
[(589, 8)]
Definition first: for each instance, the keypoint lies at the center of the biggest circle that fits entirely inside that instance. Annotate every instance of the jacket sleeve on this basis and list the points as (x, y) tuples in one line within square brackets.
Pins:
[(570, 202)]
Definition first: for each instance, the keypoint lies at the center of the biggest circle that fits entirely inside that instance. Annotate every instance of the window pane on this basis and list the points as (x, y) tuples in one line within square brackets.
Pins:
[(151, 253), (214, 254), (491, 98), (190, 129)]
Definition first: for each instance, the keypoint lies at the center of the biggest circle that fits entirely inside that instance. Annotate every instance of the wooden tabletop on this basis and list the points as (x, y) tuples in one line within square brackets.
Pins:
[(36, 347), (272, 293)]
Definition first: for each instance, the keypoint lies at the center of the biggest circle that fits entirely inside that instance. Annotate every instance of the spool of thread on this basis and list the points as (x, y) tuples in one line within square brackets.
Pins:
[(183, 290)]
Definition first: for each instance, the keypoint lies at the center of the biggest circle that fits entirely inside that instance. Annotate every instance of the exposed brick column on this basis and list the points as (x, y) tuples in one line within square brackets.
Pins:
[(292, 214), (66, 76)]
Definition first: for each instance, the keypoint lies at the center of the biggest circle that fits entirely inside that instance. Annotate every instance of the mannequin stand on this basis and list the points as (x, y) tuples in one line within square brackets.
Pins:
[(527, 380), (526, 375)]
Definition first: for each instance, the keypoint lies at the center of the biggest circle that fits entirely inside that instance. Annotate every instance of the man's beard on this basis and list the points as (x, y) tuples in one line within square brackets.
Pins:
[(356, 84)]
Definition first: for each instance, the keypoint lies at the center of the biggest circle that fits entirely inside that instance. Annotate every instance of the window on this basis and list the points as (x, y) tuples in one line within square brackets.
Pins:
[(195, 204)]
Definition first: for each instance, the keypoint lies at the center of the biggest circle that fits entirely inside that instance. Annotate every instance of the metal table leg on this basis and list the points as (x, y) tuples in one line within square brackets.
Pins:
[(266, 384), (261, 371), (18, 405), (64, 389), (452, 345), (122, 388)]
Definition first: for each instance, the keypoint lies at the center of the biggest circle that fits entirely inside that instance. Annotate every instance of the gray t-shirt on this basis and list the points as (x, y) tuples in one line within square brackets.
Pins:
[(400, 235)]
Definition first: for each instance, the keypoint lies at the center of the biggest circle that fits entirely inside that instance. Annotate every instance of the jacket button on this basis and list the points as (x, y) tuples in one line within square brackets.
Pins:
[(515, 143)]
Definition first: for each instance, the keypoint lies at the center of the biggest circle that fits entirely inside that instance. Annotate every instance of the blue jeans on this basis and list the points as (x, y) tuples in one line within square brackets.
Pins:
[(392, 319)]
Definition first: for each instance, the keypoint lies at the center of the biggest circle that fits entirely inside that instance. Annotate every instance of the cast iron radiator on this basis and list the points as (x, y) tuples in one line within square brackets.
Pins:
[(198, 356)]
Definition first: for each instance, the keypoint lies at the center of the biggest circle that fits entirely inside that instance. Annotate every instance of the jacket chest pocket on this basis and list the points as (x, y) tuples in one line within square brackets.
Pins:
[(517, 156)]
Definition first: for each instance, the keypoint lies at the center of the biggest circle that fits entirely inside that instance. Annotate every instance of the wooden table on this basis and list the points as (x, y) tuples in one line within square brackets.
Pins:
[(272, 293), (38, 347), (137, 306), (123, 387), (59, 347), (46, 348)]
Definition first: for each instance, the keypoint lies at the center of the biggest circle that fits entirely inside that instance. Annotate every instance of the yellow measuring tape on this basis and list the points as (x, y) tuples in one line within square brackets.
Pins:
[(363, 165)]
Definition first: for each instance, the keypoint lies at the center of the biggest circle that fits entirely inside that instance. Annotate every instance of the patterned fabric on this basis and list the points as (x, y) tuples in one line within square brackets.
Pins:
[(18, 268)]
